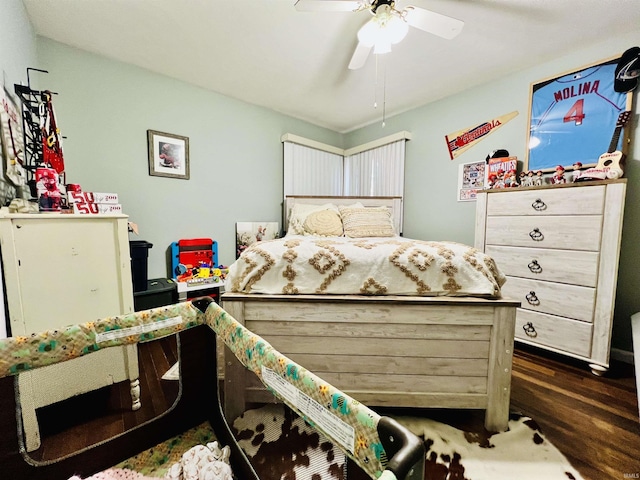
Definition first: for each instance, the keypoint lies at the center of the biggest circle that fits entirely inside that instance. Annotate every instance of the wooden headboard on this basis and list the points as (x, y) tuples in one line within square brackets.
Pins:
[(393, 203)]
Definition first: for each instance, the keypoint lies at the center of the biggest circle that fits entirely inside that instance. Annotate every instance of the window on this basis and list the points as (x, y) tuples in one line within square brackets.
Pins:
[(373, 169)]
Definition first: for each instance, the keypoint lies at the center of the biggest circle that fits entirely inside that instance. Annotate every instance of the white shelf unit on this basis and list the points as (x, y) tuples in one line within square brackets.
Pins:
[(59, 270)]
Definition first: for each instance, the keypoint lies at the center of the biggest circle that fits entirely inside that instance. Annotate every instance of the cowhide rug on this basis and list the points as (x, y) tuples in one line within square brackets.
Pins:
[(282, 446)]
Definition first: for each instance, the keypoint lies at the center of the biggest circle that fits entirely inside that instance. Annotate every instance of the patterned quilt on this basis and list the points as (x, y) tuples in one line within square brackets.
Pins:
[(299, 264)]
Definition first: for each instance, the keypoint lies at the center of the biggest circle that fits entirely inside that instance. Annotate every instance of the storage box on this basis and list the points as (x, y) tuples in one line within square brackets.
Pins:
[(159, 292), (94, 202), (93, 197), (96, 208)]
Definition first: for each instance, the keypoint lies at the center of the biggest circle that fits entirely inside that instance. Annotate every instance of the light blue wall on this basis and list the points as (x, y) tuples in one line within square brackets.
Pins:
[(104, 108), (17, 43), (17, 52), (431, 210)]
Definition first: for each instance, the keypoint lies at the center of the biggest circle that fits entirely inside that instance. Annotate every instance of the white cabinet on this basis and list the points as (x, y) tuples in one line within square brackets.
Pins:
[(62, 269), (559, 248)]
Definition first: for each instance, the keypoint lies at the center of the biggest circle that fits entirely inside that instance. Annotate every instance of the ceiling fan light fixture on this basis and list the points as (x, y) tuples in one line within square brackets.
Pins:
[(381, 46), (369, 32), (396, 29), (382, 31)]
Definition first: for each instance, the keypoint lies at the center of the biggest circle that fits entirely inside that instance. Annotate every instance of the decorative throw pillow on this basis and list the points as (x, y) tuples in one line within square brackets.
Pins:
[(326, 223), (367, 222), (299, 214)]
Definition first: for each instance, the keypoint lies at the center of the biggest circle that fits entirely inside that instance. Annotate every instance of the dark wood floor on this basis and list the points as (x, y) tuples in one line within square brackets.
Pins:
[(87, 419), (592, 420)]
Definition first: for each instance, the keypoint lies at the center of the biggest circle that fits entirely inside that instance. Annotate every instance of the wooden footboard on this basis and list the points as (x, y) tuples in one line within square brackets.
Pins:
[(435, 352)]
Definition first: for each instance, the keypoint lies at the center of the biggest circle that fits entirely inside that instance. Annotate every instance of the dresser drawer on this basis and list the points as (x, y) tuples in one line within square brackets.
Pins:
[(555, 298), (564, 266), (559, 232), (559, 201), (556, 332)]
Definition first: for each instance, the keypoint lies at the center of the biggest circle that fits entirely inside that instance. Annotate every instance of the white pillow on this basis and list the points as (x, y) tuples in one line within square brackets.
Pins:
[(301, 211), (353, 205), (367, 222), (325, 223)]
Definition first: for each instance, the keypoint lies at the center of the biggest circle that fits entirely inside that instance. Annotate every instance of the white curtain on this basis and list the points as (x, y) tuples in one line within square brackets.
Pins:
[(378, 172), (309, 171)]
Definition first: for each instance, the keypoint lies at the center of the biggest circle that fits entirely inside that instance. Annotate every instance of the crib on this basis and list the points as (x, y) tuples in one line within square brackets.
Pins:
[(377, 444)]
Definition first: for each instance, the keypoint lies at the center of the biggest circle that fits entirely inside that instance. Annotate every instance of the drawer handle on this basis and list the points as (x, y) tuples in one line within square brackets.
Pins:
[(536, 235), (532, 298), (530, 330), (539, 205), (535, 267)]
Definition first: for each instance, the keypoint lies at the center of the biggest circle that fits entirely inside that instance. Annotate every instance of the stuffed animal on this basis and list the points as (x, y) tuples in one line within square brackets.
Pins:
[(202, 462)]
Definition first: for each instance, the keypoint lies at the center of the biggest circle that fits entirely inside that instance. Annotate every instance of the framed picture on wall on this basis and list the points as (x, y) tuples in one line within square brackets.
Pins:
[(573, 116), (11, 141), (470, 180), (248, 233), (168, 155)]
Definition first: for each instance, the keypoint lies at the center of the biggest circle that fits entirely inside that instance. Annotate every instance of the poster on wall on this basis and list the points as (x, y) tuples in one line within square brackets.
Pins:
[(573, 117), (11, 146), (462, 140), (168, 154), (471, 180), (248, 233)]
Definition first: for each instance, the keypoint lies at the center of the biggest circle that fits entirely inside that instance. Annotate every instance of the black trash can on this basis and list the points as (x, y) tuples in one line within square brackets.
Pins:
[(139, 250)]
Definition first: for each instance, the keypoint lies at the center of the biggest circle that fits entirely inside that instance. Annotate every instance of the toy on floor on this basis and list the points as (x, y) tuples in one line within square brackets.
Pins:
[(201, 462), (116, 474)]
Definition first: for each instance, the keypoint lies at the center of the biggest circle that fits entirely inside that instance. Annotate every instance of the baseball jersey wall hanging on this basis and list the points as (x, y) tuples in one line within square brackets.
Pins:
[(572, 117)]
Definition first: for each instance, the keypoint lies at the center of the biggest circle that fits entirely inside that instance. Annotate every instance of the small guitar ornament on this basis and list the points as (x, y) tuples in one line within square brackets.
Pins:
[(609, 164)]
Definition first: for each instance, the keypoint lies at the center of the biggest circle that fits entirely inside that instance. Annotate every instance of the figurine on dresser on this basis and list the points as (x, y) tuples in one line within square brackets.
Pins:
[(577, 167), (526, 179), (539, 180), (523, 178), (558, 177)]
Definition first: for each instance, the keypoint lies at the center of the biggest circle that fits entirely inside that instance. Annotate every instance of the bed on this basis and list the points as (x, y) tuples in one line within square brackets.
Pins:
[(378, 444), (433, 333)]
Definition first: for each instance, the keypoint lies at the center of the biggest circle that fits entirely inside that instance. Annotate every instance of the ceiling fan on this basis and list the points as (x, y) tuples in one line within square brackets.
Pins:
[(388, 25)]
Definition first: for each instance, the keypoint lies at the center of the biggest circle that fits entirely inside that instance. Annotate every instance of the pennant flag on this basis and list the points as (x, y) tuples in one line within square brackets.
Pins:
[(460, 141)]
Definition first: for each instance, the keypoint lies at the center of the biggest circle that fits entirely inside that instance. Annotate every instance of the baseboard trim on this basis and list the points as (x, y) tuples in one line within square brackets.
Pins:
[(622, 355)]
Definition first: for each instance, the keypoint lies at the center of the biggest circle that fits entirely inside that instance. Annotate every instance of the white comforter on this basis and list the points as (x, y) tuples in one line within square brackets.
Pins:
[(370, 266)]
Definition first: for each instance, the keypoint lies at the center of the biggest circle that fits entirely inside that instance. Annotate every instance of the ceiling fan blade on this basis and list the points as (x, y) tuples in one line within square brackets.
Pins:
[(328, 5), (432, 22), (359, 56)]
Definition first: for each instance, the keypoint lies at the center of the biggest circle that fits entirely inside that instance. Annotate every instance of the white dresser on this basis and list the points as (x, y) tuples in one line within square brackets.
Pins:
[(559, 248), (62, 269)]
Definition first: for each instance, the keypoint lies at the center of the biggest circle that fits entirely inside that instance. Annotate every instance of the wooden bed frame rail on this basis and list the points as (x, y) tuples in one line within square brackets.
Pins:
[(426, 352)]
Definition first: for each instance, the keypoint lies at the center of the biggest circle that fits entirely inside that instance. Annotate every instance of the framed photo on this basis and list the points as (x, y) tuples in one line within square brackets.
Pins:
[(471, 177), (572, 117), (168, 155), (11, 145), (248, 233)]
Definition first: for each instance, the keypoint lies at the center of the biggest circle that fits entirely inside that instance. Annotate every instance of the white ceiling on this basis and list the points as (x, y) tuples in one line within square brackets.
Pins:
[(266, 53)]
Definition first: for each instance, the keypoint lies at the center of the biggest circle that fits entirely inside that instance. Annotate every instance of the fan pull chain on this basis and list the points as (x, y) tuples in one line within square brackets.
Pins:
[(384, 89), (375, 86), (384, 93)]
